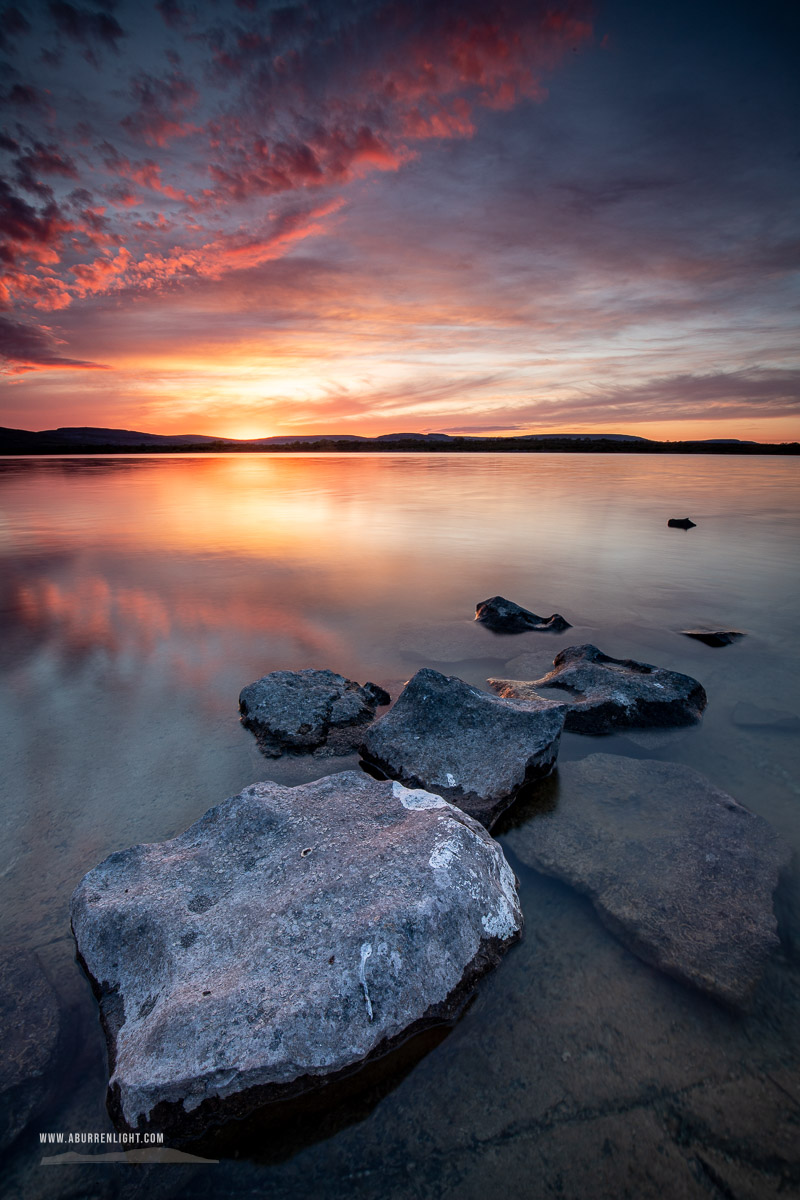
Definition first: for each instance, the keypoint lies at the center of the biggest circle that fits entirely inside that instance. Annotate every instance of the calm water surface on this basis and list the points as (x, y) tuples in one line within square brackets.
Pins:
[(139, 595)]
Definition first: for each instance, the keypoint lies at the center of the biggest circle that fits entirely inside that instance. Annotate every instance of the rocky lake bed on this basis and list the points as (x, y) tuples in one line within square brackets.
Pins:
[(293, 936)]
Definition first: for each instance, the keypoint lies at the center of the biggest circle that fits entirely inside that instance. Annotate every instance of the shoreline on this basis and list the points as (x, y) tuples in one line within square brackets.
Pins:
[(31, 445)]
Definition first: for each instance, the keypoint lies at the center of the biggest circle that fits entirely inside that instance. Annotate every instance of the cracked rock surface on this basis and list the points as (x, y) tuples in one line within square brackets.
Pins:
[(285, 937), (505, 616), (602, 694), (301, 712), (464, 744), (676, 868)]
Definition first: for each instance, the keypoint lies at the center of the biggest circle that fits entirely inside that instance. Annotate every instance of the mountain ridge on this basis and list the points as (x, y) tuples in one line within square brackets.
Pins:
[(90, 439)]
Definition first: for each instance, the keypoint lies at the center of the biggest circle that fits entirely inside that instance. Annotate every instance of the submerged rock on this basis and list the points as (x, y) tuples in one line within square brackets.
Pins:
[(446, 642), (286, 937), (679, 871), (604, 693), (681, 523), (714, 637), (752, 716), (464, 744), (300, 712), (504, 616), (31, 1028)]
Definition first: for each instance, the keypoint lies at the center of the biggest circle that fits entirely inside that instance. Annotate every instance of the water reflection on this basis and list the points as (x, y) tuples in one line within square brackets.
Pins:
[(80, 612)]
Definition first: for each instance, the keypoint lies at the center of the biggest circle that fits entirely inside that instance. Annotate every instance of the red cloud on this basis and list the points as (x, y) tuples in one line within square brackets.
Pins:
[(421, 75), (322, 100), (145, 173)]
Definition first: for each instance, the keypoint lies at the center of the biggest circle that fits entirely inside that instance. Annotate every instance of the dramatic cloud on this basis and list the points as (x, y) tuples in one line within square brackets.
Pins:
[(400, 212)]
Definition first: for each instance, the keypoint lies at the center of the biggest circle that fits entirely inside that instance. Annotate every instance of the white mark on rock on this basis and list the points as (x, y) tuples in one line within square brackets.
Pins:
[(416, 798), (366, 951), (451, 780), (501, 923), (443, 854), (506, 918)]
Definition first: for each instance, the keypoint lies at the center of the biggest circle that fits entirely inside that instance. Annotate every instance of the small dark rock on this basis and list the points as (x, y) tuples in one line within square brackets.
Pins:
[(602, 694), (713, 637), (31, 1024), (378, 694), (504, 616), (464, 744), (300, 712), (676, 868), (681, 523)]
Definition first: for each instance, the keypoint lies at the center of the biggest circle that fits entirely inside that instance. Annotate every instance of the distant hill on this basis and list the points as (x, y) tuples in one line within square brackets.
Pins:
[(576, 437), (284, 439), (89, 435), (413, 437), (96, 440)]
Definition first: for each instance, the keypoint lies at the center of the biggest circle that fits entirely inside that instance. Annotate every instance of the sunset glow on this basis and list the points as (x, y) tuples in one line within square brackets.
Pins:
[(244, 218)]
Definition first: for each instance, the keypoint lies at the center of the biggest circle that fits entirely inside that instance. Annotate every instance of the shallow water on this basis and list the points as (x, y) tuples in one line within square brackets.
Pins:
[(140, 594)]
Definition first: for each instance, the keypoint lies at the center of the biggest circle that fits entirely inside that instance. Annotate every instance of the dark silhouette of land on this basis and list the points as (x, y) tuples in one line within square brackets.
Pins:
[(90, 440)]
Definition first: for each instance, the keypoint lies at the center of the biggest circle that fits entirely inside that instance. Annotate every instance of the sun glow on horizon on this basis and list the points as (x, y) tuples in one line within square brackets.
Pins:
[(246, 433)]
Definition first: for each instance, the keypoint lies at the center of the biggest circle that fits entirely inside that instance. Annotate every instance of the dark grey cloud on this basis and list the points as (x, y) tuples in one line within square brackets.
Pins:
[(13, 23), (27, 345), (22, 225), (85, 26), (23, 95), (174, 14), (681, 397), (162, 104), (43, 160)]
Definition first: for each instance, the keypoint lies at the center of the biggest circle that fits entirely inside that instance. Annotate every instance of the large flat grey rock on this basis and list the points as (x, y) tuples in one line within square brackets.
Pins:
[(286, 937), (602, 694), (464, 744), (31, 1024), (682, 873), (311, 711)]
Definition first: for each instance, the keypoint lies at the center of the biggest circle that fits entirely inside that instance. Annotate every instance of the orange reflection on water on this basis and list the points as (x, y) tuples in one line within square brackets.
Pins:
[(85, 617), (196, 633), (279, 560)]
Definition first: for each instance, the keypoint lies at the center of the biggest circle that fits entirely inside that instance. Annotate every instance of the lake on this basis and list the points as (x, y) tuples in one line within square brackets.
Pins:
[(140, 594)]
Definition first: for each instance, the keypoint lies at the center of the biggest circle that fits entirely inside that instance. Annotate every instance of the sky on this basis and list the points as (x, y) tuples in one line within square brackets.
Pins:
[(254, 217)]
